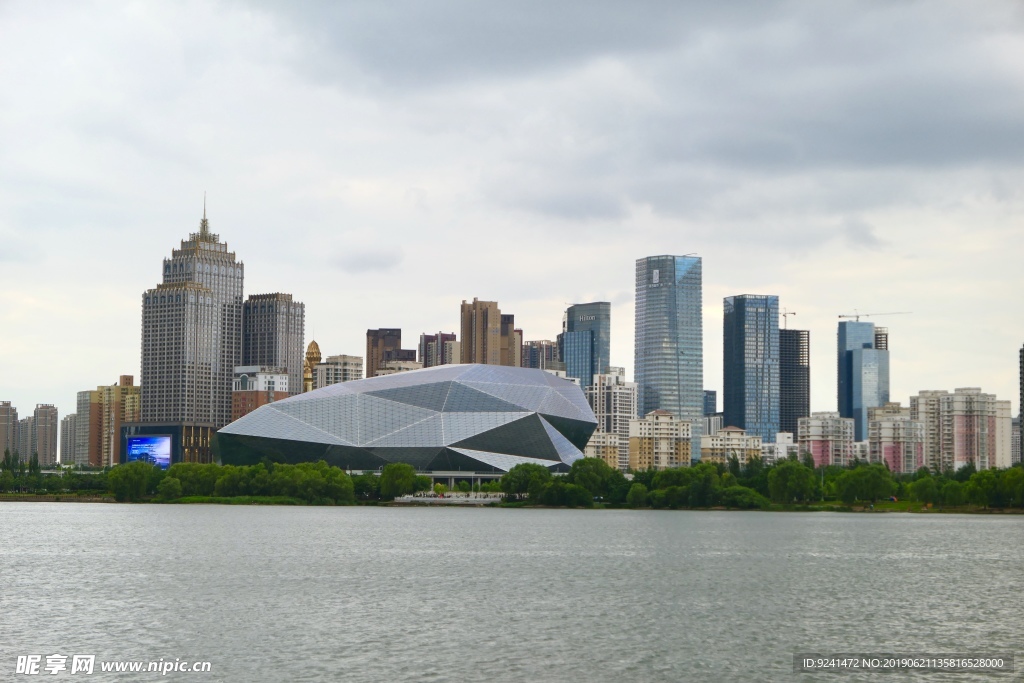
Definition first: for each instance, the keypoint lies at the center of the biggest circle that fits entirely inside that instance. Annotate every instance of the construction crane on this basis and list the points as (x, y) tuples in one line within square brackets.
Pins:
[(785, 317), (857, 316)]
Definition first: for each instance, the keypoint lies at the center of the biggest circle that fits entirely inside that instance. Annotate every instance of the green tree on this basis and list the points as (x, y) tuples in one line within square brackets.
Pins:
[(953, 493), (169, 488), (529, 478), (440, 489), (704, 485), (128, 482), (925, 490), (397, 479), (1011, 486), (743, 498), (637, 496), (593, 474), (791, 481)]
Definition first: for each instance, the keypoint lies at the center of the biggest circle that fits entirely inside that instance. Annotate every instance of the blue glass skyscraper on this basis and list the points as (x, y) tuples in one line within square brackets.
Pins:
[(585, 342), (863, 373), (751, 364), (669, 339)]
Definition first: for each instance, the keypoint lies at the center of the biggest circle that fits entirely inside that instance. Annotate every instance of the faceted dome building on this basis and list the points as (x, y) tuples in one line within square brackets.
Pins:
[(473, 418)]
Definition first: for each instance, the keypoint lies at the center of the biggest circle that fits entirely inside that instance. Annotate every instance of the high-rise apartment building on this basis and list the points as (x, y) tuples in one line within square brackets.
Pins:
[(1015, 446), (273, 327), (191, 344), (542, 354), (862, 372), (784, 447), (488, 336), (101, 414), (794, 378), (606, 447), (585, 342), (751, 364), (669, 339), (8, 427), (335, 369), (710, 402), (27, 438), (614, 402), (439, 349), (730, 442), (659, 441), (827, 437), (67, 439), (895, 439), (385, 346), (966, 426), (46, 423)]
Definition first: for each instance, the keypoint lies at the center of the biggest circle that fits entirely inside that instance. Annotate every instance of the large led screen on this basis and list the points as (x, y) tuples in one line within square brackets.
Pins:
[(156, 450)]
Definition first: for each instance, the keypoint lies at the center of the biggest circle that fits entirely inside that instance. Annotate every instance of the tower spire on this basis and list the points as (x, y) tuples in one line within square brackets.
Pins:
[(204, 225)]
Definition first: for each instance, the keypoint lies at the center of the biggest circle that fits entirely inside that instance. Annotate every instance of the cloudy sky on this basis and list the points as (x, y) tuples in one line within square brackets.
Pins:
[(384, 161)]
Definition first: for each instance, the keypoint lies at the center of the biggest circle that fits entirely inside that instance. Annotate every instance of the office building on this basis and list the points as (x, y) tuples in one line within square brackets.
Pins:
[(827, 438), (585, 342), (730, 442), (335, 369), (257, 385), (385, 346), (439, 349), (862, 372), (669, 334), (273, 327), (794, 378), (191, 343), (542, 354), (614, 402), (455, 419), (751, 364), (659, 441), (966, 426), (488, 336), (1015, 447), (785, 447), (8, 427), (710, 402)]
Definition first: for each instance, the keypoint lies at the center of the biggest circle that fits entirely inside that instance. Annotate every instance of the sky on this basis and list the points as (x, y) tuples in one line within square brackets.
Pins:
[(384, 161)]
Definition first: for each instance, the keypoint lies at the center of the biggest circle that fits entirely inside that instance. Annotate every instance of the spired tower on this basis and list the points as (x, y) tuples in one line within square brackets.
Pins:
[(313, 359), (192, 335)]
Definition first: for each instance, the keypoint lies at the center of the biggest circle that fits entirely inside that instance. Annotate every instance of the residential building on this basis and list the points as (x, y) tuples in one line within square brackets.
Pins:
[(783, 448), (273, 327), (489, 337), (542, 354), (606, 447), (439, 349), (395, 366), (385, 346), (27, 438), (192, 334), (258, 385), (712, 423), (8, 427), (669, 338), (863, 372), (730, 442), (1015, 452), (101, 414), (585, 342), (710, 402), (335, 369), (966, 426), (46, 423), (895, 439), (614, 402), (827, 438), (659, 441), (861, 451), (794, 378), (67, 439), (751, 364)]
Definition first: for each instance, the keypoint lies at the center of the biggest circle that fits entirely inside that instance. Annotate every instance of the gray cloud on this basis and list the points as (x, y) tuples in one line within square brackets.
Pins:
[(368, 259)]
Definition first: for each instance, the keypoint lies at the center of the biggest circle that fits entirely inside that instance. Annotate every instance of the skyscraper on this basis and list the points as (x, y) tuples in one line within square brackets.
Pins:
[(585, 342), (1020, 405), (191, 344), (8, 427), (439, 349), (751, 364), (67, 439), (668, 350), (385, 346), (273, 327), (46, 423), (710, 402), (541, 354), (488, 336), (794, 378), (863, 372)]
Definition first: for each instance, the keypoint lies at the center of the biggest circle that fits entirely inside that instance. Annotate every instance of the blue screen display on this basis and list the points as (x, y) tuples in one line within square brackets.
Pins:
[(156, 450)]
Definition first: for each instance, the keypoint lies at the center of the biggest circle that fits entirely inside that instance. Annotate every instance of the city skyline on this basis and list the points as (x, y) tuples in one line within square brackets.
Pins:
[(822, 197)]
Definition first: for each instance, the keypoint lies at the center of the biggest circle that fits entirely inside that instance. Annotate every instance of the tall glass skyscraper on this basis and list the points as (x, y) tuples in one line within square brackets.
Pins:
[(794, 378), (669, 339), (585, 342), (751, 364), (863, 373)]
